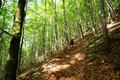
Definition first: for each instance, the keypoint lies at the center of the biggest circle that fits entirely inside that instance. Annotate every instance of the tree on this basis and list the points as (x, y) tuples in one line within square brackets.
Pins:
[(103, 24), (78, 19), (55, 20), (0, 3), (65, 23), (12, 62), (90, 8), (44, 28)]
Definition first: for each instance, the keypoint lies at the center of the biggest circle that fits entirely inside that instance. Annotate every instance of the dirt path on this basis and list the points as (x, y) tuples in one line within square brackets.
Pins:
[(67, 66), (74, 64)]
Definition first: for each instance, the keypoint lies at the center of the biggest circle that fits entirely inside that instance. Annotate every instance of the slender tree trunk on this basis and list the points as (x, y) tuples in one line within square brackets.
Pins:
[(90, 6), (80, 28), (20, 50), (56, 31), (55, 25), (65, 23), (0, 3), (44, 29), (1, 45), (12, 61), (78, 19), (103, 24), (32, 56)]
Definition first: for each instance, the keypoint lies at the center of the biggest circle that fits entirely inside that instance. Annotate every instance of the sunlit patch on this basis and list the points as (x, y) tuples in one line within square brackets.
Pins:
[(72, 62), (76, 57), (54, 67), (67, 56), (55, 59), (110, 25), (79, 56), (49, 65)]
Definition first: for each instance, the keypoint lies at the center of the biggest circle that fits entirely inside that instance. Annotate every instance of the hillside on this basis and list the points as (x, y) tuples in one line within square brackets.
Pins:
[(81, 61)]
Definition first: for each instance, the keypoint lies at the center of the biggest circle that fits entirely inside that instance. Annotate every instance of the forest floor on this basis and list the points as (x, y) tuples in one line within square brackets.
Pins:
[(76, 63)]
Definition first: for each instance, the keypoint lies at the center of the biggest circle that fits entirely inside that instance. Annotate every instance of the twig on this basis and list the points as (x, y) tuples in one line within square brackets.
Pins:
[(3, 31)]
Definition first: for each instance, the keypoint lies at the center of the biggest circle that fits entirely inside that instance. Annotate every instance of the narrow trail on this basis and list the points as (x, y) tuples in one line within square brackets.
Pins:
[(74, 64), (66, 66)]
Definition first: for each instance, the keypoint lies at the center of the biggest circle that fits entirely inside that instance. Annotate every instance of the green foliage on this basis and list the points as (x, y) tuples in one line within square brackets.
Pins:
[(76, 11)]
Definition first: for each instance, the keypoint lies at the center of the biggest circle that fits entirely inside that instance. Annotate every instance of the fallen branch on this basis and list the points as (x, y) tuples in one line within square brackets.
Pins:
[(113, 26)]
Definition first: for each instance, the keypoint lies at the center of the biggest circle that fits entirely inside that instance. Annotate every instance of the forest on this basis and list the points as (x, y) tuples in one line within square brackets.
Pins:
[(59, 39)]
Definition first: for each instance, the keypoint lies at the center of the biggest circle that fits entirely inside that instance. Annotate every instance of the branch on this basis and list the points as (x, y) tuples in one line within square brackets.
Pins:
[(5, 32)]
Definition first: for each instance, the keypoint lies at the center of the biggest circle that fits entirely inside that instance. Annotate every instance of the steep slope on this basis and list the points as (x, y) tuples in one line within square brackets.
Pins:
[(73, 63), (83, 60)]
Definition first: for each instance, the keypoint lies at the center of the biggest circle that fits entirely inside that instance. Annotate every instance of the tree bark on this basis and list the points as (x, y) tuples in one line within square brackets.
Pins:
[(44, 29), (78, 19), (65, 23), (103, 24), (80, 28), (55, 22), (12, 61), (20, 50), (90, 6)]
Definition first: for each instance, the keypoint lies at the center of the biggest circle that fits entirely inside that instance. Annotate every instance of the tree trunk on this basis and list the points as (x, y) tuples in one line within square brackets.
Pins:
[(90, 6), (44, 29), (65, 23), (78, 19), (0, 3), (12, 61), (20, 50), (103, 24), (80, 28), (56, 31), (55, 25)]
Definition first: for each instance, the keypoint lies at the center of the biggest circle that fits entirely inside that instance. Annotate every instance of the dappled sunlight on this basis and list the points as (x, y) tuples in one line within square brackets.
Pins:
[(72, 61), (54, 67), (56, 59), (79, 56), (74, 64), (64, 65), (76, 57), (60, 40), (67, 56), (64, 62), (113, 25)]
